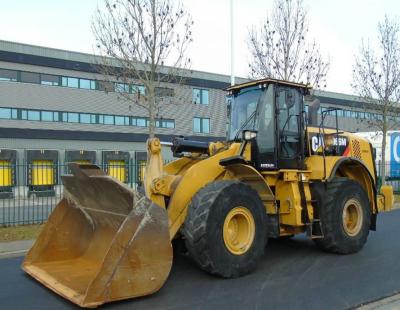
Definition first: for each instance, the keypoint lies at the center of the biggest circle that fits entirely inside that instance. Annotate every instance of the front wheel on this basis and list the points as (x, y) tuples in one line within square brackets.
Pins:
[(225, 229), (345, 217)]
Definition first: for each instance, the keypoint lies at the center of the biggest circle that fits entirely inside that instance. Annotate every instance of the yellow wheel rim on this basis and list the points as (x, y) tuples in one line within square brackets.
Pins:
[(239, 230), (352, 217)]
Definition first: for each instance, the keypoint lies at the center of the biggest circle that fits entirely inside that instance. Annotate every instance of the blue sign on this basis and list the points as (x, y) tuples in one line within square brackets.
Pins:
[(395, 155)]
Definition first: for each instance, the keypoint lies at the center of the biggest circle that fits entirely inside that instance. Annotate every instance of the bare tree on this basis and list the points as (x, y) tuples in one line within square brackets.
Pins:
[(376, 79), (143, 42), (279, 48)]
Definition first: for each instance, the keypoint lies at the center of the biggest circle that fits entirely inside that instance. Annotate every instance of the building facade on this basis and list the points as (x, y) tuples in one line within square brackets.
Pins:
[(53, 99)]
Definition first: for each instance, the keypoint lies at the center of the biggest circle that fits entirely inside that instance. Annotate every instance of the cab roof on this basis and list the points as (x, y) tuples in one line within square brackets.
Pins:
[(267, 81)]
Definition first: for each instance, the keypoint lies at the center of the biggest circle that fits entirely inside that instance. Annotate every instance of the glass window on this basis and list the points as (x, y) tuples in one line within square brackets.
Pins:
[(168, 124), (141, 122), (83, 83), (56, 116), (165, 123), (72, 117), (30, 77), (101, 119), (164, 92), (14, 113), (122, 87), (47, 116), (33, 115), (5, 113), (242, 107), (106, 86), (119, 120), (138, 89), (8, 75), (73, 82), (266, 141), (204, 96), (200, 96), (70, 82), (196, 95), (93, 119), (133, 122), (109, 119), (24, 114), (84, 118), (205, 126), (201, 125), (93, 84), (48, 79), (197, 124)]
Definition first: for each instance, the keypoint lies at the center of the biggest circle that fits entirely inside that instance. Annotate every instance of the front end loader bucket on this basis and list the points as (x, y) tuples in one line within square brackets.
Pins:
[(103, 242)]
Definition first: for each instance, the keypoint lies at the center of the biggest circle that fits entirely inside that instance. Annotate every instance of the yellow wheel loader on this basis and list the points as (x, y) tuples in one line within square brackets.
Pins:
[(280, 172)]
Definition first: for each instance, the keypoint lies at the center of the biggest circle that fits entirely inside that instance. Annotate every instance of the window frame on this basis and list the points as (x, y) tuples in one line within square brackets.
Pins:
[(202, 125), (201, 97)]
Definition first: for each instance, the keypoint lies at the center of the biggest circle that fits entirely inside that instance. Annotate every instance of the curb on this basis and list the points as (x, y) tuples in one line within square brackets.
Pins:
[(15, 248), (386, 303)]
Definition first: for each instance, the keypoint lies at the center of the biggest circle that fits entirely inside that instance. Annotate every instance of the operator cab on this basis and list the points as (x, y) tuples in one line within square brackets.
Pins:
[(270, 114)]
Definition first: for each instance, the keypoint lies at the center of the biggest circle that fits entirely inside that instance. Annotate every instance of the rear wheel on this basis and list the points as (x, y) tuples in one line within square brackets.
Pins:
[(225, 229), (345, 217)]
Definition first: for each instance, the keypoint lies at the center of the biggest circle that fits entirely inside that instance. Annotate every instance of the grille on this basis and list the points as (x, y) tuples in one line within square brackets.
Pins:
[(356, 149)]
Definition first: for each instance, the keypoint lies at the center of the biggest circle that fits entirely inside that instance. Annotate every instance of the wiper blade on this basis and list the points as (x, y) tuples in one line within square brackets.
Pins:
[(245, 124)]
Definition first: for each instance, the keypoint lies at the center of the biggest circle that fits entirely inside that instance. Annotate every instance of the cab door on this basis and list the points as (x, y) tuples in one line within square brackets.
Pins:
[(290, 127)]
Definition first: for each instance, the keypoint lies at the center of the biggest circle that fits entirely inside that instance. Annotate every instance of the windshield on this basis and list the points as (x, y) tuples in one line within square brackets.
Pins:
[(241, 107)]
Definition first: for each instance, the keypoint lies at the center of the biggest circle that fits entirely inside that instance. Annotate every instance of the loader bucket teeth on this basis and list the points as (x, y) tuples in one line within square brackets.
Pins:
[(103, 242)]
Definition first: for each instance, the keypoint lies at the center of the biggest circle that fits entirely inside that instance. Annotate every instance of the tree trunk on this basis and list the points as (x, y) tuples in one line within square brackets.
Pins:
[(383, 161), (152, 113)]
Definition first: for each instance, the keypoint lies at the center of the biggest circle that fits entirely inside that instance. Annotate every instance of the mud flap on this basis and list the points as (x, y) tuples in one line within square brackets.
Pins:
[(103, 242)]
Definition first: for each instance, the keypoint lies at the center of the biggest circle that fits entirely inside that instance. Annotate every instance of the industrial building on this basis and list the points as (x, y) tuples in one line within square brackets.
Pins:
[(56, 108)]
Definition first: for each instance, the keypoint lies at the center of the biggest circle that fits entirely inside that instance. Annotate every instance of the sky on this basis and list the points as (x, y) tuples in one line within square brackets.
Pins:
[(337, 26)]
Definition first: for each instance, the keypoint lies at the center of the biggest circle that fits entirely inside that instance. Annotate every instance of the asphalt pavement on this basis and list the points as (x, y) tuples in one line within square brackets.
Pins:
[(292, 275)]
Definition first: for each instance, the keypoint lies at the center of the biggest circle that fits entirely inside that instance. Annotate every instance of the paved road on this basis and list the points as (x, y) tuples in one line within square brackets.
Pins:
[(292, 275)]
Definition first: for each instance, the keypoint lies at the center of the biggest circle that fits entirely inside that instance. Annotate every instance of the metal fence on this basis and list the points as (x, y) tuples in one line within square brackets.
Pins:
[(392, 176), (30, 192)]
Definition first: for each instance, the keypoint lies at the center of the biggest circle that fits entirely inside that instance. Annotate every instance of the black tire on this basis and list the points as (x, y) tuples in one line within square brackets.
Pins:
[(336, 240), (203, 229)]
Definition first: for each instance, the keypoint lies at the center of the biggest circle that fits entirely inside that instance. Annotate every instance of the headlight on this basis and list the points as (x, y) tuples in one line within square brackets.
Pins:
[(249, 135)]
